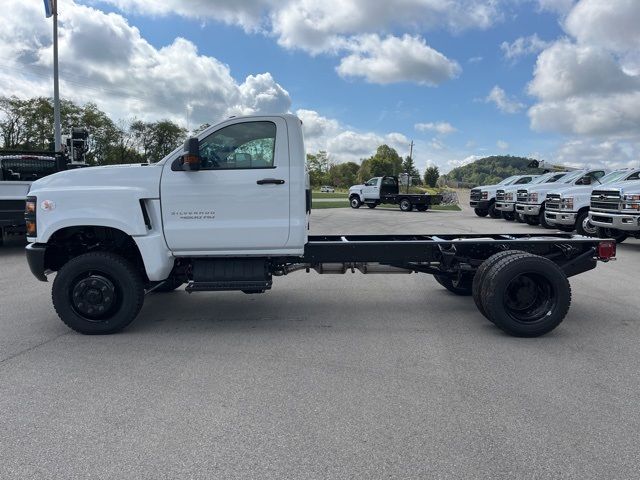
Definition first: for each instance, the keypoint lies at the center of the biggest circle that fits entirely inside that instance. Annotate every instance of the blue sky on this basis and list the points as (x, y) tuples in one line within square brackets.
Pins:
[(360, 73)]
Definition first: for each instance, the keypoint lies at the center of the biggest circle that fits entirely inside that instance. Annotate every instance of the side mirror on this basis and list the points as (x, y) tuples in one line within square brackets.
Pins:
[(191, 156)]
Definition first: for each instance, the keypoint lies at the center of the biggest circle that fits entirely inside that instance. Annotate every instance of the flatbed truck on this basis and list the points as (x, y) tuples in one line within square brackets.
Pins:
[(230, 211)]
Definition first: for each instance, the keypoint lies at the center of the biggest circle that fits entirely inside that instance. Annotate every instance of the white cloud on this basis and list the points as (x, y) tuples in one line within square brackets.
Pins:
[(523, 46), (443, 128), (343, 143), (348, 28), (105, 60), (475, 59), (454, 163), (593, 153), (502, 145), (504, 103), (556, 6), (396, 59)]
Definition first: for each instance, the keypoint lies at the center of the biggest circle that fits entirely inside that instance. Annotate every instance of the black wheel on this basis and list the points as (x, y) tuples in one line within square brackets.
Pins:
[(542, 220), (618, 235), (371, 205), (405, 205), (354, 201), (169, 285), (584, 226), (508, 216), (422, 208), (481, 213), (494, 212), (526, 295), (98, 293), (531, 220), (478, 278), (460, 287), (519, 217)]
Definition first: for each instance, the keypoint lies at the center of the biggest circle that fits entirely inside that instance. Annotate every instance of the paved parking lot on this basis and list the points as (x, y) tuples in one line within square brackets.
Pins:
[(325, 377)]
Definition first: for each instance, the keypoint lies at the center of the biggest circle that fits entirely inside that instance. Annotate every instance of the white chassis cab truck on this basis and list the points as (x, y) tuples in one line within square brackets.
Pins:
[(230, 211), (568, 208), (615, 210), (530, 200), (379, 190), (483, 198), (505, 202)]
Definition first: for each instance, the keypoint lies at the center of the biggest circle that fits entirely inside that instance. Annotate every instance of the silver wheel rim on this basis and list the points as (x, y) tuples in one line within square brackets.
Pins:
[(588, 227), (354, 202)]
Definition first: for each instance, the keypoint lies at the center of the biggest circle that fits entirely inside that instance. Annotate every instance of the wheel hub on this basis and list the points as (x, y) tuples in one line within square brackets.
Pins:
[(93, 296), (588, 227)]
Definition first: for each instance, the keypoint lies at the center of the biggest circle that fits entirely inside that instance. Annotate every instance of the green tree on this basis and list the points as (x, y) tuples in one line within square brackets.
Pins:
[(408, 166), (431, 176), (318, 167)]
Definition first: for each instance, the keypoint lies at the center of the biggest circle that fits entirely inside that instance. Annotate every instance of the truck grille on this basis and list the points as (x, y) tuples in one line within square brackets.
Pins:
[(522, 196), (605, 200), (475, 195), (553, 202), (500, 195)]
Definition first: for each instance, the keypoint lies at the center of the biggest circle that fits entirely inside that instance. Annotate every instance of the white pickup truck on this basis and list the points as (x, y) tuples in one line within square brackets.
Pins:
[(530, 201), (230, 211), (568, 208), (483, 198), (615, 210)]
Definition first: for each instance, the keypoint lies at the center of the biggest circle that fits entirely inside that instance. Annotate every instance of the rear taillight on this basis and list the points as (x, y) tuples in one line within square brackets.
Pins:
[(606, 250), (30, 208)]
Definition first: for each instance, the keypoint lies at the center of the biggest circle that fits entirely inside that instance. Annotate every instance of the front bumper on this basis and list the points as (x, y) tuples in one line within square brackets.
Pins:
[(560, 218), (35, 258), (505, 206), (526, 209), (480, 204), (619, 221)]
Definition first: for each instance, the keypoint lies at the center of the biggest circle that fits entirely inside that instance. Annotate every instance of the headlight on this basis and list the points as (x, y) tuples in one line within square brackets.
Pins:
[(508, 197), (567, 203), (485, 195), (533, 197), (632, 198)]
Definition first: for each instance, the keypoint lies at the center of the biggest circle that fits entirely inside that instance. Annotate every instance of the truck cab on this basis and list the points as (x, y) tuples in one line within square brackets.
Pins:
[(568, 208), (530, 201), (483, 198), (505, 202), (615, 210)]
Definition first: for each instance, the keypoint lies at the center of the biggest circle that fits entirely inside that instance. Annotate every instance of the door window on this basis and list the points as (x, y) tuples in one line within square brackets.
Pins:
[(239, 146), (372, 183)]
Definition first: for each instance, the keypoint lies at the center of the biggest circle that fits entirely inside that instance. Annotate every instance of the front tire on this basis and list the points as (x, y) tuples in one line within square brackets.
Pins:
[(494, 212), (98, 293), (530, 220), (508, 216), (519, 217), (584, 226), (543, 221), (618, 235), (481, 213), (355, 202)]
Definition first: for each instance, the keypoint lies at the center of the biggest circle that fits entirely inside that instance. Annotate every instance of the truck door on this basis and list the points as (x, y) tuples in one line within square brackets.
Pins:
[(239, 199), (371, 190)]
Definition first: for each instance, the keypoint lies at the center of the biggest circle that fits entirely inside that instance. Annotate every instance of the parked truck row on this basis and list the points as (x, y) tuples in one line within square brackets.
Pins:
[(592, 202)]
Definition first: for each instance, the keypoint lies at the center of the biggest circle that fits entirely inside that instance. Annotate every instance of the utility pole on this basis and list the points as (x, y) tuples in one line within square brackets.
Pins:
[(56, 89), (411, 157)]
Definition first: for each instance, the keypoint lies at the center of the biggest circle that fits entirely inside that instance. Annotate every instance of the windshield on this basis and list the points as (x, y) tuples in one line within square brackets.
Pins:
[(613, 176), (542, 178), (509, 180), (570, 177)]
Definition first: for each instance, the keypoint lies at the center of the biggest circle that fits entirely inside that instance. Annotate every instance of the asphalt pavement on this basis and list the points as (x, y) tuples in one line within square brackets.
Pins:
[(352, 376)]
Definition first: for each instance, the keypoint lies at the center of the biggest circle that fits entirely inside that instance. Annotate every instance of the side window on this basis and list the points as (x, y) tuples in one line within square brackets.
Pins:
[(597, 175), (523, 180), (372, 183), (240, 146), (634, 176)]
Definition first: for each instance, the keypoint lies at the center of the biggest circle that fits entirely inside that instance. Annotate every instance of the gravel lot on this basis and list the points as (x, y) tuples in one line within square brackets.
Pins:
[(325, 377)]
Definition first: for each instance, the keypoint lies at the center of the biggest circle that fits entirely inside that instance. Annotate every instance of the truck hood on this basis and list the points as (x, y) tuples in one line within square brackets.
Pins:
[(488, 187), (356, 188), (143, 178), (572, 190), (629, 188), (510, 188)]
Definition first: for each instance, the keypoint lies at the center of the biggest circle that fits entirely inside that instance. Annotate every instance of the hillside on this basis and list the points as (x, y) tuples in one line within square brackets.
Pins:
[(489, 170)]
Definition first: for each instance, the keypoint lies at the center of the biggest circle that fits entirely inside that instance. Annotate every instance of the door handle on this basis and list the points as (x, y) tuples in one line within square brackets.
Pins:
[(274, 181)]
